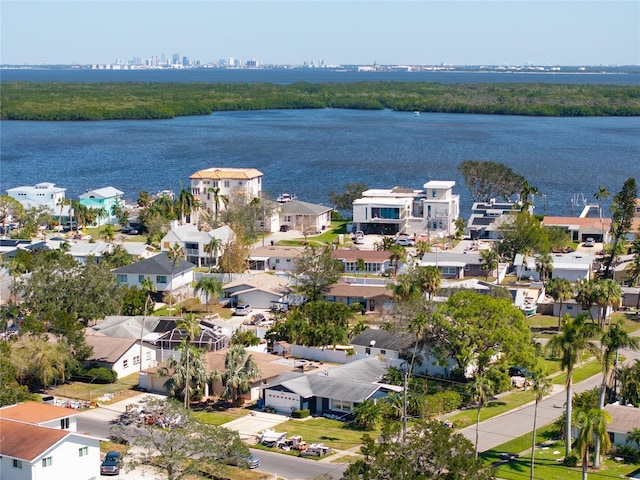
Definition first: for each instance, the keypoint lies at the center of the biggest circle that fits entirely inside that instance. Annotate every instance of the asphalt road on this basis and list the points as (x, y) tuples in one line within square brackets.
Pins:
[(295, 468)]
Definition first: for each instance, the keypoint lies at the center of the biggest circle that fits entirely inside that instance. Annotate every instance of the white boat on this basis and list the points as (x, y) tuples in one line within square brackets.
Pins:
[(285, 197), (416, 112), (529, 307)]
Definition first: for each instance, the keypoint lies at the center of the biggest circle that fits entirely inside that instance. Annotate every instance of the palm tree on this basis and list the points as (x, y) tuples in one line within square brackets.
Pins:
[(195, 371), (212, 249), (108, 233), (541, 385), (191, 326), (489, 259), (586, 294), (601, 195), (634, 436), (240, 369), (526, 193), (404, 288), (175, 254), (148, 287), (592, 425), (561, 291), (430, 280), (544, 266), (609, 296), (417, 326), (186, 203), (396, 253), (574, 337), (613, 340), (210, 286), (422, 248), (367, 414), (482, 388), (218, 200)]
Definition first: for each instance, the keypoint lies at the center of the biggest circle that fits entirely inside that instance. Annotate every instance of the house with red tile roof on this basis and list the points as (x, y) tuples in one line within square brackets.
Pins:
[(581, 228)]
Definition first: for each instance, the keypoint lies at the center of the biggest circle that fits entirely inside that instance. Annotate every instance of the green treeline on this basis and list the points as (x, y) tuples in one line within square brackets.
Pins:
[(143, 101)]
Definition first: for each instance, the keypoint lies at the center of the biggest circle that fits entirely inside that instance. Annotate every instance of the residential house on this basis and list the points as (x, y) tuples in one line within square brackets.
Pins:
[(329, 392), (375, 261), (167, 278), (305, 217), (454, 265), (106, 200), (573, 309), (572, 266), (212, 184), (82, 252), (634, 231), (370, 297), (41, 441), (30, 452), (124, 356), (623, 420), (274, 258), (631, 297), (488, 218), (433, 209), (195, 242), (581, 228), (260, 291), (41, 195)]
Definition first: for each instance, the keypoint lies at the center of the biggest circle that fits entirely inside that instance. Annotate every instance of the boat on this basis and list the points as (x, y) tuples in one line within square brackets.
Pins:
[(529, 307), (416, 112), (285, 197)]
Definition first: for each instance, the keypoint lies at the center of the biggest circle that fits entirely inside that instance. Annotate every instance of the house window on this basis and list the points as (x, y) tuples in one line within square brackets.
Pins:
[(226, 184), (125, 363), (341, 405), (17, 463), (434, 193), (148, 355), (166, 245), (83, 451), (277, 260), (214, 184), (46, 462), (121, 278), (161, 279), (383, 352), (286, 218), (367, 350), (467, 268), (136, 359), (140, 278), (64, 423)]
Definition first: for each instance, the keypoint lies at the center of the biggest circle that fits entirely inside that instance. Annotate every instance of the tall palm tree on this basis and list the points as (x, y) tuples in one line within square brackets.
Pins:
[(601, 195), (574, 337), (612, 340), (417, 326), (148, 287), (185, 202), (482, 388), (592, 425), (195, 370), (396, 253), (489, 259), (240, 369), (218, 201), (191, 326), (609, 296), (430, 280), (210, 286), (175, 254), (403, 288), (212, 249), (561, 291), (541, 385), (544, 266), (526, 195), (586, 294)]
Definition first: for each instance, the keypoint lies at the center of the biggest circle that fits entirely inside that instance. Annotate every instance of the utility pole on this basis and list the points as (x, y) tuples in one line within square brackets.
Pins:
[(404, 406)]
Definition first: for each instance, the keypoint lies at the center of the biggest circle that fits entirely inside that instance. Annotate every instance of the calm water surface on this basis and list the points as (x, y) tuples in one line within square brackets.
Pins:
[(311, 152)]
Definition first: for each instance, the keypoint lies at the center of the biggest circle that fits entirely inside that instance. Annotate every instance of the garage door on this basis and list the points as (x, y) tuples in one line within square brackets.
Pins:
[(281, 401)]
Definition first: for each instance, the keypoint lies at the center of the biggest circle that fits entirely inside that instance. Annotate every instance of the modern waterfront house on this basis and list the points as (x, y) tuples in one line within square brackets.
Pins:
[(40, 195), (105, 200)]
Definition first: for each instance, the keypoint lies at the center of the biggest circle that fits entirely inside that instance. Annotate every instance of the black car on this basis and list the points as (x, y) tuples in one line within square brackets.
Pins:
[(519, 372), (284, 228), (111, 464)]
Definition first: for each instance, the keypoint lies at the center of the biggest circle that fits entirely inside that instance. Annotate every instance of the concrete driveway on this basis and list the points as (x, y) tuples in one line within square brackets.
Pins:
[(250, 426)]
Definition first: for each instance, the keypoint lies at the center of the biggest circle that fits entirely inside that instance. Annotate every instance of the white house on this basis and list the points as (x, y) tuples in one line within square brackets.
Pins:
[(581, 228), (623, 420), (167, 278), (571, 266), (260, 291), (40, 195), (82, 251), (217, 182), (487, 219), (274, 258), (195, 242), (306, 217), (124, 356), (40, 441), (433, 209)]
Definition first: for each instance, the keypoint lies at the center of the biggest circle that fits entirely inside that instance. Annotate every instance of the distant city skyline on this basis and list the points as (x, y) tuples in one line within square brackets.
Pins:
[(454, 32)]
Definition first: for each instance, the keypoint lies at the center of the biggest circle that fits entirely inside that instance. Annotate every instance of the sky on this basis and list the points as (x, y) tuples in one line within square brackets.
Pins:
[(418, 32)]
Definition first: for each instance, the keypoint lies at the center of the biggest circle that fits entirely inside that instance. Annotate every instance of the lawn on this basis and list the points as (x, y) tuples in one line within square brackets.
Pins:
[(220, 417), (493, 408), (547, 466), (121, 390), (328, 237), (333, 433), (583, 372)]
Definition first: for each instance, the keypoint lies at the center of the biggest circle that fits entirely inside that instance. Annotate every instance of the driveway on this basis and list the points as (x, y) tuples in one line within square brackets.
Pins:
[(250, 426)]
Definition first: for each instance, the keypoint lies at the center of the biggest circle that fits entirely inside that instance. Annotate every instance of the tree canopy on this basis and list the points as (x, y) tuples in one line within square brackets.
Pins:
[(344, 200), (486, 180), (317, 269)]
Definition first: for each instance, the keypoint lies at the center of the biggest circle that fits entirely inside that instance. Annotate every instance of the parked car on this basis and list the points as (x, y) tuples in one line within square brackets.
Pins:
[(519, 372), (243, 309), (111, 464), (590, 242), (250, 461), (284, 228), (405, 241)]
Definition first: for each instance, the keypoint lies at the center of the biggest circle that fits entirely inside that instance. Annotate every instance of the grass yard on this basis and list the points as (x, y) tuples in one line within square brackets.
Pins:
[(327, 237), (333, 433), (583, 372), (90, 392), (220, 417), (493, 408), (547, 466)]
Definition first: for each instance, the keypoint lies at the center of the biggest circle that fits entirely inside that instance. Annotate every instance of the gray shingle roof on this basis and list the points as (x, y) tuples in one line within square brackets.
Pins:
[(384, 339), (156, 265), (296, 207)]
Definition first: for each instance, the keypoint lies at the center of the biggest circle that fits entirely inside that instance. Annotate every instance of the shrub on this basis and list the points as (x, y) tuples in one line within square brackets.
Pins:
[(443, 402), (571, 460), (98, 375), (301, 413)]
